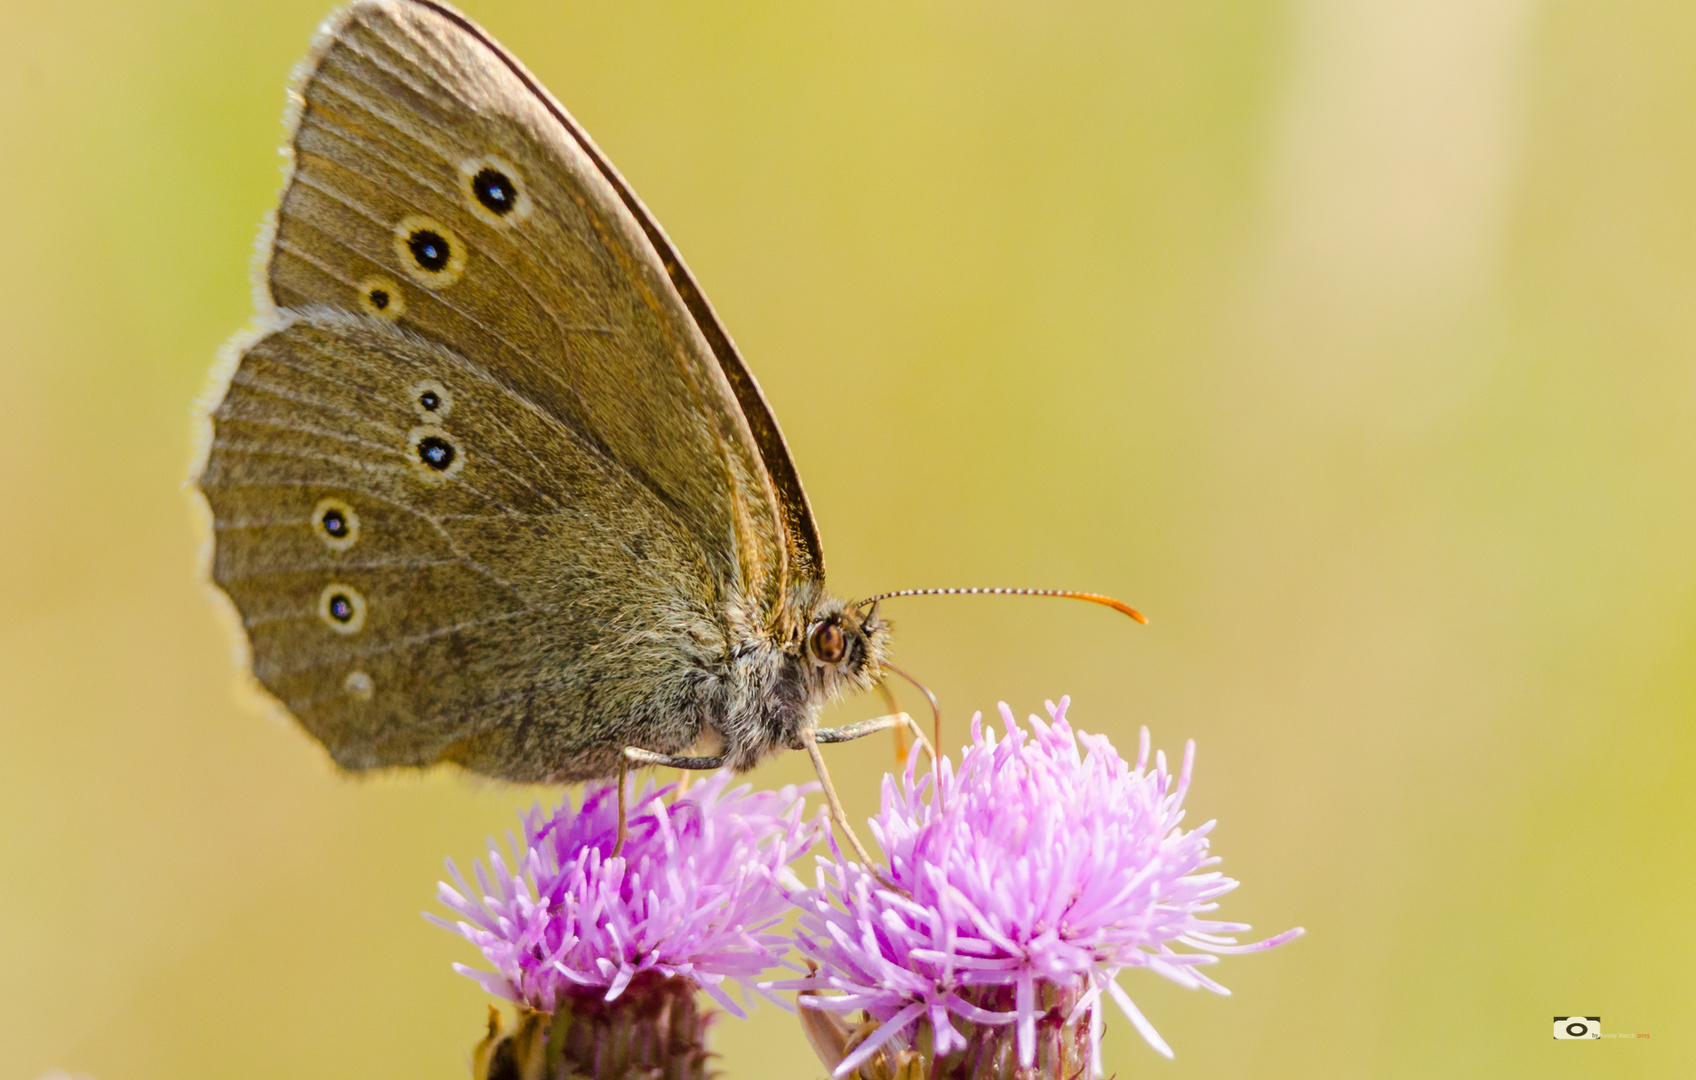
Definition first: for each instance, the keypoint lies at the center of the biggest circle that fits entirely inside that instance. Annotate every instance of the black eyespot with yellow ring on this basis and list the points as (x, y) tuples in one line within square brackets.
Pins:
[(336, 523), (430, 400), (431, 253), (435, 455), (381, 297), (493, 191), (342, 608)]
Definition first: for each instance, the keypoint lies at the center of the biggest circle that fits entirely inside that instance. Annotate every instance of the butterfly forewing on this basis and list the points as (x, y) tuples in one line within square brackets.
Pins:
[(558, 294)]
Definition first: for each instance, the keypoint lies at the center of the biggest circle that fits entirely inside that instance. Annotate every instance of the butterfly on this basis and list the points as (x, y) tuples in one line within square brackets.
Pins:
[(490, 483)]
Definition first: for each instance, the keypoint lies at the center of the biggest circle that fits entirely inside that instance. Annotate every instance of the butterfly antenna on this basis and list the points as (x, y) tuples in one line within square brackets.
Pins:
[(1094, 598)]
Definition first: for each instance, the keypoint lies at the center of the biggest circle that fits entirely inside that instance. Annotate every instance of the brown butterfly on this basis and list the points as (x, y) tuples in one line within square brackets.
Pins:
[(490, 483)]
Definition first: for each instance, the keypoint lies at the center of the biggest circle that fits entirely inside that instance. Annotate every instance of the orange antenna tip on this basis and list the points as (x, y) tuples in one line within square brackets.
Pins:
[(1107, 601), (1094, 598)]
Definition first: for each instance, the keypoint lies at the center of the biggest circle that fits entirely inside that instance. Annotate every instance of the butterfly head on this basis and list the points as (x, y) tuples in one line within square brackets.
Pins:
[(844, 648)]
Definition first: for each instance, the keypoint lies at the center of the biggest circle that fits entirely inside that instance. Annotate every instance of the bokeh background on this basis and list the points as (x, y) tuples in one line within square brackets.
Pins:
[(1354, 340)]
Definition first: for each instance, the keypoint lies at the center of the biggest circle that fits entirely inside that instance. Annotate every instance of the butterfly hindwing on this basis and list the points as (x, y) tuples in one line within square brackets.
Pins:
[(409, 610)]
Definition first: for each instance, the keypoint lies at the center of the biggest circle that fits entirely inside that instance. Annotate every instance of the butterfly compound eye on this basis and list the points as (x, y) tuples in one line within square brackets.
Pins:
[(827, 643)]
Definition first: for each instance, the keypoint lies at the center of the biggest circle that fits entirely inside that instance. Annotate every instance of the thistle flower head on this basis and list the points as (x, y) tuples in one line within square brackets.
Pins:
[(694, 893), (1035, 874)]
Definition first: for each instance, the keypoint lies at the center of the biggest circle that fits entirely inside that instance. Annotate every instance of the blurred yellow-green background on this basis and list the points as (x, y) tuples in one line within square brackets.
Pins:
[(1354, 340)]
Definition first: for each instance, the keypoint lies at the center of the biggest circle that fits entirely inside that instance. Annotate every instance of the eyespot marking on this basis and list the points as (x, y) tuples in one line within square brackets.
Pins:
[(429, 249), (436, 452), (494, 191), (336, 524), (342, 608), (430, 400), (435, 455), (381, 297), (431, 253), (359, 686)]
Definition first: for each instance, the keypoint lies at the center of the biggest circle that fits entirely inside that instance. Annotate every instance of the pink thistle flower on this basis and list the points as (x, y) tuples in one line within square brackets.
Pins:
[(1035, 875), (694, 894)]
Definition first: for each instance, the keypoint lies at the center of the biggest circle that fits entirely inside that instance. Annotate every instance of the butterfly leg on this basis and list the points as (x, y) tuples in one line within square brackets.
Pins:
[(623, 807), (849, 732), (899, 720), (839, 816), (647, 757)]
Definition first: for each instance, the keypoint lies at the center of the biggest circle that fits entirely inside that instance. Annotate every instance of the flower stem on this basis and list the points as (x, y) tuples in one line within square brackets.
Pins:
[(991, 1051), (652, 1031)]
